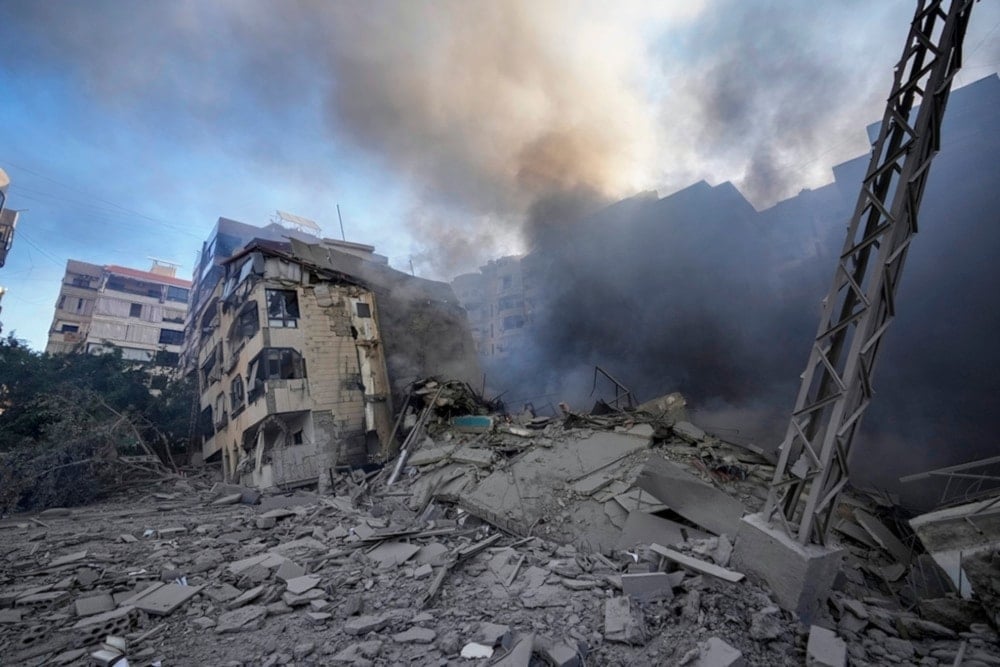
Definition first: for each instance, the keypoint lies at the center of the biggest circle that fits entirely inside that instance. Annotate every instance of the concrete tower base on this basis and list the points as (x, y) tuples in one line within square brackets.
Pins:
[(799, 576)]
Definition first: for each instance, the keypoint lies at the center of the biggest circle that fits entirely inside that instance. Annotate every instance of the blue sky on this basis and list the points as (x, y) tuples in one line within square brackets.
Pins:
[(128, 129)]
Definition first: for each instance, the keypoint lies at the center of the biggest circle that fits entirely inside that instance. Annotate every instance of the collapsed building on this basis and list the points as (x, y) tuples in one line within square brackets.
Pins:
[(303, 346)]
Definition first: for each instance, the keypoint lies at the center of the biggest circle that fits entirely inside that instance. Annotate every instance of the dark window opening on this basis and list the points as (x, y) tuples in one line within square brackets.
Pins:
[(246, 324), (164, 358), (280, 363), (364, 310), (62, 302), (205, 423), (236, 395), (79, 305), (282, 308), (158, 382), (171, 337), (70, 328), (297, 438), (135, 310)]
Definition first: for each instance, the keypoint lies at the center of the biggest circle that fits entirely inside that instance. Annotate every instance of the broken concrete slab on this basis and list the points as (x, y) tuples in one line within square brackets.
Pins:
[(621, 624), (825, 648), (697, 565), (246, 597), (429, 455), (299, 585), (268, 503), (669, 407), (714, 652), (644, 529), (688, 432), (415, 636), (301, 599), (519, 654), (362, 625), (685, 494), (648, 585), (559, 654), (289, 570), (883, 536), (473, 650), (163, 600), (392, 554), (477, 456), (95, 604), (242, 619), (69, 558), (230, 499), (433, 553), (518, 497)]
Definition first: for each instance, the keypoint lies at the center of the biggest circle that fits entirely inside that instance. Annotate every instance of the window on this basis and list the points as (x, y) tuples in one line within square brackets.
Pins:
[(81, 281), (171, 337), (513, 322), (236, 394), (158, 382), (135, 310), (364, 310), (297, 438), (70, 328), (506, 282), (164, 358), (282, 308), (177, 294), (62, 302), (220, 411), (245, 324)]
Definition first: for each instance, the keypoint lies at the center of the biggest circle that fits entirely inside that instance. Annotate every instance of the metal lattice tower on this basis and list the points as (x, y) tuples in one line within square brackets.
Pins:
[(837, 383)]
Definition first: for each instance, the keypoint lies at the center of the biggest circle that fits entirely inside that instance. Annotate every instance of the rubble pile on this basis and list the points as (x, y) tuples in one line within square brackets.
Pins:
[(584, 539)]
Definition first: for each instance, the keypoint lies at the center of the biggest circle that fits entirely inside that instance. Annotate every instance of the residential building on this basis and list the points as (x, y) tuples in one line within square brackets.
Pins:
[(497, 307), (303, 347), (139, 312)]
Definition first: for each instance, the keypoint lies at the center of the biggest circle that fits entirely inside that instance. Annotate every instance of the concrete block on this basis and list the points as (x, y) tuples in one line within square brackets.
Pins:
[(716, 653), (800, 577), (648, 585), (825, 649)]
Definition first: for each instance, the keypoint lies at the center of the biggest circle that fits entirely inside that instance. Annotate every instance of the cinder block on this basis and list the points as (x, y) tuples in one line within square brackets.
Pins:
[(800, 576)]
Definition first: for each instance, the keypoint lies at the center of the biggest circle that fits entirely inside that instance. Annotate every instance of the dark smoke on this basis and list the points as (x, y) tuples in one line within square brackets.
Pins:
[(700, 293)]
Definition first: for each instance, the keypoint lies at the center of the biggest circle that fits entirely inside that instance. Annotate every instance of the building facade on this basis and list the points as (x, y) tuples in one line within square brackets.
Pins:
[(142, 313)]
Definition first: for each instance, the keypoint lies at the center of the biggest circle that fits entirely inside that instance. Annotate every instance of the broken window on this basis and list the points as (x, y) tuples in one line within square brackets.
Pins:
[(135, 310), (211, 370), (236, 395), (177, 294), (164, 358), (245, 324), (171, 337), (221, 418), (282, 308), (364, 310)]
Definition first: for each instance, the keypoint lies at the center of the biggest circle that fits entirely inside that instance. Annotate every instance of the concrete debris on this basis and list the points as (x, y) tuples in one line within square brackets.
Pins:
[(473, 650), (613, 547), (825, 649), (714, 652)]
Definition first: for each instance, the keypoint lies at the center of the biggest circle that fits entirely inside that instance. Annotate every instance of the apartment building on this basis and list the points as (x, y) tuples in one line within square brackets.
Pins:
[(101, 307), (302, 348), (498, 305)]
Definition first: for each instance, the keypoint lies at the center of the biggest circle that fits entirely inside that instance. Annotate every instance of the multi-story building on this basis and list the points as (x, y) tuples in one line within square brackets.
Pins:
[(302, 348), (139, 312), (495, 300)]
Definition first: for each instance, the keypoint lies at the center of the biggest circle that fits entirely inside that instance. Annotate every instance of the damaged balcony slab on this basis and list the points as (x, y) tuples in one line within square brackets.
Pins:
[(800, 576)]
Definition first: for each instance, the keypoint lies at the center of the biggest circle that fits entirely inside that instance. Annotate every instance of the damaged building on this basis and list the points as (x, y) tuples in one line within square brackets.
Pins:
[(303, 348)]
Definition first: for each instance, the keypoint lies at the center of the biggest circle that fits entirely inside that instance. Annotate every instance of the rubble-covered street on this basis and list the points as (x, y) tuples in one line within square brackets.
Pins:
[(584, 540)]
